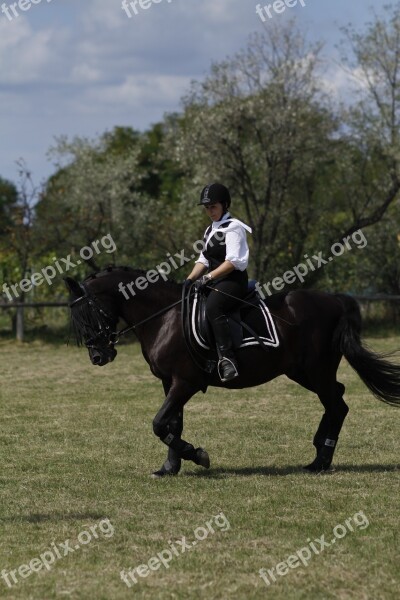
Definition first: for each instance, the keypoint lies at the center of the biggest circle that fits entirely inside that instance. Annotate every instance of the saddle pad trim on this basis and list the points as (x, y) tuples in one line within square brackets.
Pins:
[(272, 340)]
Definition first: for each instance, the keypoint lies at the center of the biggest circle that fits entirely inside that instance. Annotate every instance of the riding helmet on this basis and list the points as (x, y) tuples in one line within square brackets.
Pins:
[(215, 192)]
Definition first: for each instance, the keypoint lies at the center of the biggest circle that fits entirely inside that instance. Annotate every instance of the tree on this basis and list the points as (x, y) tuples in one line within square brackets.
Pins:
[(16, 243), (373, 122), (90, 195), (8, 200), (258, 123)]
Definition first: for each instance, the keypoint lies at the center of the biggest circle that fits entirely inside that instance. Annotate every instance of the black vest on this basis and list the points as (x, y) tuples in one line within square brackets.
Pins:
[(215, 253)]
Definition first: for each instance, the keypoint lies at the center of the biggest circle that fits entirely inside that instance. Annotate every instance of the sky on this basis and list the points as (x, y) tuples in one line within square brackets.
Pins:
[(81, 67)]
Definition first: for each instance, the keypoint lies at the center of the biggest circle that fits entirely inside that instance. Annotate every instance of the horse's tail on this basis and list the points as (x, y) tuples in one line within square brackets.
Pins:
[(379, 375)]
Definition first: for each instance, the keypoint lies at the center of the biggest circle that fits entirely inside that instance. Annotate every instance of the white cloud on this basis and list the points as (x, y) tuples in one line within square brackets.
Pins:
[(220, 12), (83, 67), (135, 93), (26, 55), (343, 84), (84, 74)]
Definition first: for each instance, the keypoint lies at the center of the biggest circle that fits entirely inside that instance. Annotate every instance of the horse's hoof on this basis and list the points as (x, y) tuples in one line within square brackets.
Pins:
[(202, 458), (162, 473), (318, 466)]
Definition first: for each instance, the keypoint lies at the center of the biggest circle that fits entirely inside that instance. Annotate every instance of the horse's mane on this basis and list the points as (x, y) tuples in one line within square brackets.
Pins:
[(110, 269), (126, 269)]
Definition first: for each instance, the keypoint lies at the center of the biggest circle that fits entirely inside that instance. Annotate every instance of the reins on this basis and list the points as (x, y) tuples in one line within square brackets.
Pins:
[(114, 337), (118, 334)]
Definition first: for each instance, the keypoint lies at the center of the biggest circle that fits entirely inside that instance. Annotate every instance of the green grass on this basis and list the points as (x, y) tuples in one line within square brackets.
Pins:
[(77, 447)]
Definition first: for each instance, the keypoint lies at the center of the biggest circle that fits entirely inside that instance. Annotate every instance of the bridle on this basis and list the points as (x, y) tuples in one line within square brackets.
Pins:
[(90, 318), (91, 312)]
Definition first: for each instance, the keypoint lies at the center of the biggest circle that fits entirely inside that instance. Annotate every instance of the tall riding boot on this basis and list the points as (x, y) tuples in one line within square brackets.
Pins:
[(227, 365)]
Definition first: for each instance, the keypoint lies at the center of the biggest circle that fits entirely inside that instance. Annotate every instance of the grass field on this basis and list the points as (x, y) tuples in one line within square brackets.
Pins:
[(77, 448)]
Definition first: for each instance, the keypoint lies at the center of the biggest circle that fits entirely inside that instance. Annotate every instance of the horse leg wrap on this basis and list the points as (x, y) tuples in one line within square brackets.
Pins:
[(326, 452), (187, 451), (172, 466), (319, 438), (183, 449), (324, 456)]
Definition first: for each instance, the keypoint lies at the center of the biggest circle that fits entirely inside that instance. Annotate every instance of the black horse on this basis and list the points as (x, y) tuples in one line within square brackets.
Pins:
[(315, 330)]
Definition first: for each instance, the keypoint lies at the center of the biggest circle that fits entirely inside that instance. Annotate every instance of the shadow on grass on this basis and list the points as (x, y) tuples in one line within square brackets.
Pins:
[(54, 517), (220, 473)]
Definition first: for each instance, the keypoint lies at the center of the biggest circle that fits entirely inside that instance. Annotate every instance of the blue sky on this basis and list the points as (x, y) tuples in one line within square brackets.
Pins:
[(80, 67)]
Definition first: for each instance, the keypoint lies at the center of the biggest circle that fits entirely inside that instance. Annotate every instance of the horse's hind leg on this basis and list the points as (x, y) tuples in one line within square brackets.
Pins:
[(328, 431)]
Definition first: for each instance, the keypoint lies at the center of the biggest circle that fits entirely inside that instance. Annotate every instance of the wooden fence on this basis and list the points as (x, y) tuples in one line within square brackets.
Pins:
[(20, 326), (20, 318)]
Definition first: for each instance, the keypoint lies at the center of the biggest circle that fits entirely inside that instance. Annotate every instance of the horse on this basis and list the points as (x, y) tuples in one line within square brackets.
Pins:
[(315, 330)]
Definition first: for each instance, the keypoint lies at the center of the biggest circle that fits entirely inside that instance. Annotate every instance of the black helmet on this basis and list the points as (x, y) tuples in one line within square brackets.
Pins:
[(215, 192)]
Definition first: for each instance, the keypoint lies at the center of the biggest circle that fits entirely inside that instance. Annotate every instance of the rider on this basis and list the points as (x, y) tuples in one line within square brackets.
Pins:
[(225, 256)]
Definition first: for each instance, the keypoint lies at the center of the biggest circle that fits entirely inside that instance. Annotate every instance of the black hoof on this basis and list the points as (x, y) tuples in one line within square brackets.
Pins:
[(159, 474), (202, 458), (166, 470), (318, 466), (162, 473)]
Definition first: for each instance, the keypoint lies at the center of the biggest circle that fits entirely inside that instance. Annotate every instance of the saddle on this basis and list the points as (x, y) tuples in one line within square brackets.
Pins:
[(250, 323)]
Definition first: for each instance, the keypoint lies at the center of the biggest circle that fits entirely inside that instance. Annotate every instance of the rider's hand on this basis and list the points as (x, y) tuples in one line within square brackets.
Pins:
[(187, 283), (203, 281)]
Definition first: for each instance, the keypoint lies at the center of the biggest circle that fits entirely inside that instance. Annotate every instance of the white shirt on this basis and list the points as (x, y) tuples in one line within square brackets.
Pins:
[(237, 250)]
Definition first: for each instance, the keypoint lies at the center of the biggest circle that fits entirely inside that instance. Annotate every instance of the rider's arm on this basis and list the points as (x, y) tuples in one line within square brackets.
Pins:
[(198, 270), (224, 269), (237, 250)]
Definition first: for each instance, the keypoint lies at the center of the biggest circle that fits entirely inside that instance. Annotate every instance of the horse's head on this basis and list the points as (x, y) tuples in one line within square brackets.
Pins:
[(93, 323)]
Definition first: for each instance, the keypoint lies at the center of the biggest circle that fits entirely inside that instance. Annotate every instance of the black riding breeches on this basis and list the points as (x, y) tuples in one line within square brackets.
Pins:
[(219, 304)]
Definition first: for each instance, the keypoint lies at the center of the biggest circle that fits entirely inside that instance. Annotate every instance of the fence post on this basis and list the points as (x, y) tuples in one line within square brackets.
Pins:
[(20, 324)]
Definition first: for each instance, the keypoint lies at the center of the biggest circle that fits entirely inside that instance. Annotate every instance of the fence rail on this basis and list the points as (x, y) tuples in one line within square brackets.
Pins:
[(20, 306), (377, 298), (31, 304)]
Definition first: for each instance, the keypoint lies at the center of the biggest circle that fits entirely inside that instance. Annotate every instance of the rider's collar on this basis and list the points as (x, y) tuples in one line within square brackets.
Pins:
[(224, 218)]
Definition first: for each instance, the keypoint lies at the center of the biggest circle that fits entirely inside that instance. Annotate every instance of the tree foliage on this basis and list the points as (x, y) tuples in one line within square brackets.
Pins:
[(304, 172)]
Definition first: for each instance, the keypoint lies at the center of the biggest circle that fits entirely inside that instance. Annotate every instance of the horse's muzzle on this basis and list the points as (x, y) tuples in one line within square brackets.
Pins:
[(102, 357)]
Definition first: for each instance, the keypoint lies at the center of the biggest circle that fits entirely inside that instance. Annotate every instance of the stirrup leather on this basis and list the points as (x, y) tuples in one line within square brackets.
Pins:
[(236, 374)]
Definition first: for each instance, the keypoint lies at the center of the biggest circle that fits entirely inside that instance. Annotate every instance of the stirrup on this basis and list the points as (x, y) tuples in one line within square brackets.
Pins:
[(235, 374)]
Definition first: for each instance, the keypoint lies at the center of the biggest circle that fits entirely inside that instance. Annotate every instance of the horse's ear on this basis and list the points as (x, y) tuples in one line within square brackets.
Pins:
[(73, 287)]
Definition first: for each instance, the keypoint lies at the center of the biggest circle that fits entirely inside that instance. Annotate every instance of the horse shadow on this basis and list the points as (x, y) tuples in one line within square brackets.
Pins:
[(52, 517), (220, 473)]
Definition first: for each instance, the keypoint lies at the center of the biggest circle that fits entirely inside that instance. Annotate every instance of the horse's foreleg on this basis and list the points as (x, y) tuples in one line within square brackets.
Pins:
[(173, 463), (168, 426)]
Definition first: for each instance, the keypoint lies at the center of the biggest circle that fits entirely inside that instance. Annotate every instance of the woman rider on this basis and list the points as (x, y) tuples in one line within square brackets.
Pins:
[(225, 257)]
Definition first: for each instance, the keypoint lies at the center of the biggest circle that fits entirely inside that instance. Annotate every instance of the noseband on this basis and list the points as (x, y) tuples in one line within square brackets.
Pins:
[(92, 322)]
